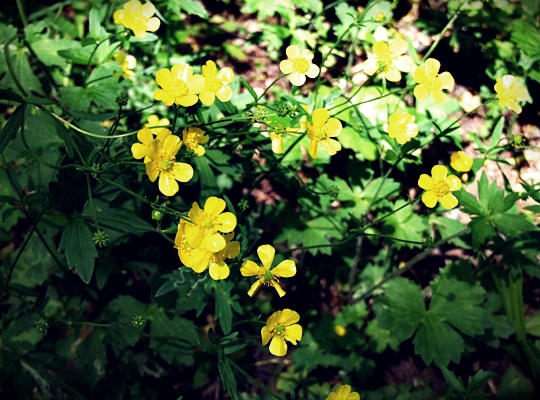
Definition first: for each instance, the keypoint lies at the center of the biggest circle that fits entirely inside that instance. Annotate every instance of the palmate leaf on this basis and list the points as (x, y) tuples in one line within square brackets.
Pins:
[(454, 309), (79, 248)]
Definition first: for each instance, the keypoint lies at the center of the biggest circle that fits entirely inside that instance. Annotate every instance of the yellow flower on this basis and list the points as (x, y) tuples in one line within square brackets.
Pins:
[(340, 330), (469, 102), (154, 122), (438, 187), (206, 224), (178, 85), (430, 82), (265, 274), (321, 132), (509, 92), (277, 142), (163, 164), (461, 162), (215, 84), (146, 137), (343, 393), (193, 138), (379, 17), (388, 59), (402, 127), (127, 63), (279, 327), (298, 65), (200, 259), (137, 17)]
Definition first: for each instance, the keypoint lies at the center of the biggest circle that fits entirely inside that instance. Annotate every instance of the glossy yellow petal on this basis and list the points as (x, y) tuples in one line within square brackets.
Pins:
[(448, 201), (371, 66), (214, 206), (209, 69), (313, 71), (392, 74), (314, 148), (196, 84), (319, 117), (429, 198), (419, 75), (273, 320), (404, 63), (421, 92), (198, 260), (266, 254), (224, 94), (118, 17), (426, 182), (289, 317), (333, 127), (171, 145), (187, 101), (139, 150), (215, 242), (254, 288), (164, 78), (226, 222), (293, 333), (265, 335), (277, 144), (453, 182), (278, 347), (152, 170), (249, 268), (219, 271), (232, 249), (330, 146), (286, 66), (182, 172), (167, 184), (447, 80), (278, 288), (398, 46), (438, 96), (207, 97), (133, 6), (439, 172), (297, 78), (285, 269), (164, 96), (380, 49), (148, 9), (432, 66), (226, 75), (307, 54), (461, 162), (292, 51)]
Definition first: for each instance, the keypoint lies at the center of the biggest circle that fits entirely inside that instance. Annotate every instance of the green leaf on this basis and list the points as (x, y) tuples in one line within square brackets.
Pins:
[(437, 342), (458, 304), (12, 126), (405, 224), (514, 385), (526, 37), (401, 308), (79, 248), (513, 224), (249, 88), (223, 307), (532, 325), (496, 135), (481, 230), (10, 95), (227, 377), (351, 139), (192, 7), (47, 51), (97, 32), (381, 338), (121, 310), (209, 185)]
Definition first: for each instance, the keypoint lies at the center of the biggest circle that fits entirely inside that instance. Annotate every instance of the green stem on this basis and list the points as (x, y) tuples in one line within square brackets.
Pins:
[(253, 380), (441, 34), (93, 134), (10, 65), (410, 202), (370, 100), (266, 90), (175, 118), (412, 262), (94, 52)]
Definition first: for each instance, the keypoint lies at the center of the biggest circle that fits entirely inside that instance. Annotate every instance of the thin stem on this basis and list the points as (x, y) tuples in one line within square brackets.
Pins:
[(440, 35), (10, 65), (93, 134), (412, 262), (410, 202), (253, 380), (175, 118), (266, 90), (94, 52)]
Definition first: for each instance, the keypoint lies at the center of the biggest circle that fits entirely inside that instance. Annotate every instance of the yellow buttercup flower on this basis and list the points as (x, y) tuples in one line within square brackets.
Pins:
[(343, 393), (509, 92), (163, 164), (200, 259), (298, 65), (206, 225), (127, 63), (277, 142), (430, 82), (146, 137), (279, 327), (215, 84), (402, 127), (178, 85), (265, 274), (154, 123), (193, 138), (137, 17), (438, 187), (388, 59), (321, 132), (461, 162), (340, 330)]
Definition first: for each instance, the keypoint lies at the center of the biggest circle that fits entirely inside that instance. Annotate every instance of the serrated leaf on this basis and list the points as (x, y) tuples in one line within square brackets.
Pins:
[(513, 224), (458, 304), (192, 7), (437, 342), (47, 51), (12, 126), (401, 308), (79, 248), (404, 224), (97, 32), (481, 230)]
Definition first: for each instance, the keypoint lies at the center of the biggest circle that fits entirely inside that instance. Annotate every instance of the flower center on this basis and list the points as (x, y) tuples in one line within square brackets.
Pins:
[(279, 330), (268, 276), (208, 224), (441, 188), (213, 84), (166, 164), (433, 83), (179, 88), (139, 21), (192, 140), (300, 64), (321, 134)]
